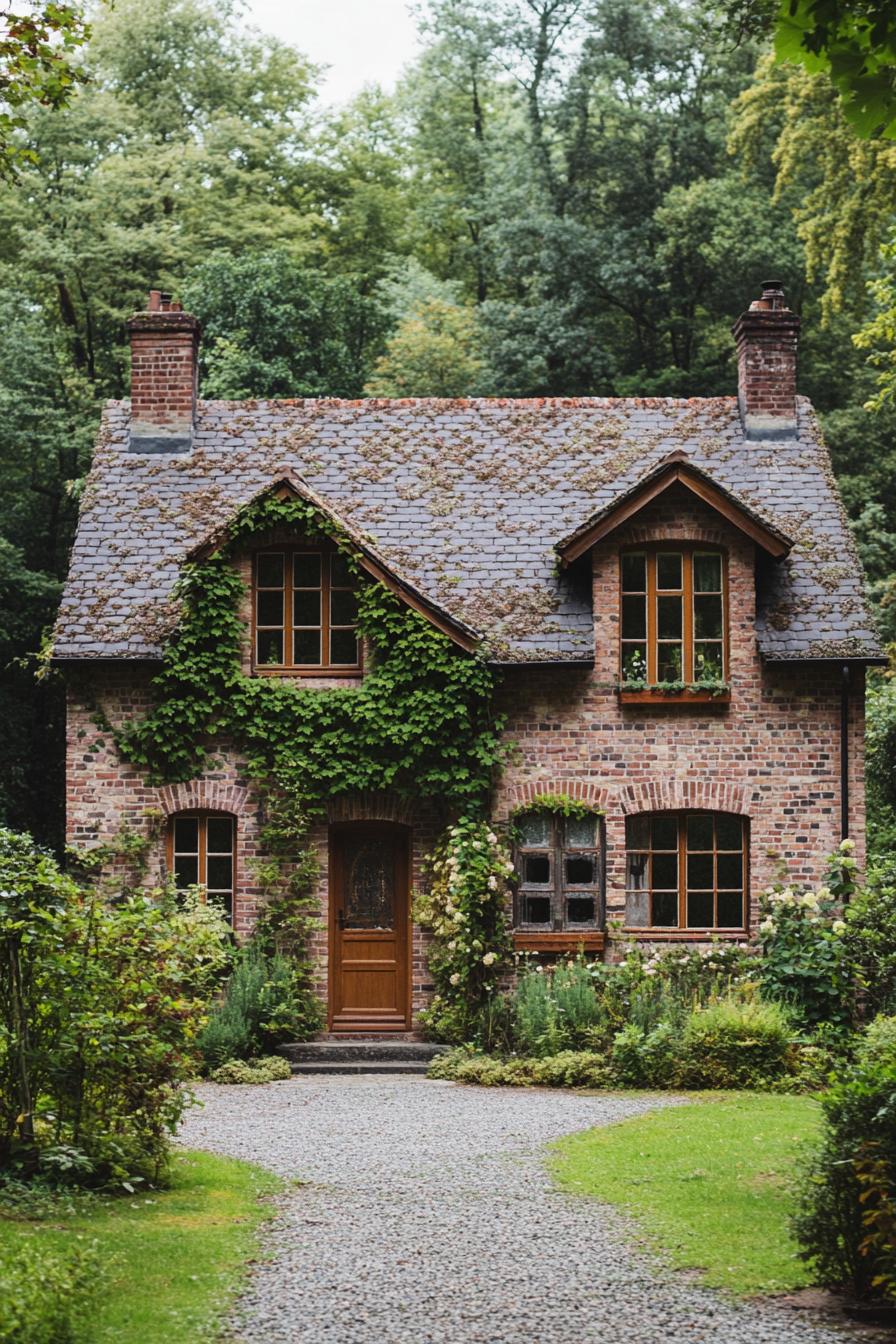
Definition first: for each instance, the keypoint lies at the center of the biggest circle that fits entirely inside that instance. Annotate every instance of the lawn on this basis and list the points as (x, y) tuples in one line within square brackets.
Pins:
[(174, 1257), (709, 1183)]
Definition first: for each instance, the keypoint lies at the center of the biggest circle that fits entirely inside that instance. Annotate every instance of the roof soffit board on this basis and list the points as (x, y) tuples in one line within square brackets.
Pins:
[(288, 486), (776, 543)]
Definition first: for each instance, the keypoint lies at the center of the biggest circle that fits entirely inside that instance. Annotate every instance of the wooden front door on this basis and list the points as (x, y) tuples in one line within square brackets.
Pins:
[(369, 928)]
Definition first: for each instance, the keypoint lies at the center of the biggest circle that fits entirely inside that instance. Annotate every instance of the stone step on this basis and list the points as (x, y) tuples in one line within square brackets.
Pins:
[(325, 1068), (371, 1051)]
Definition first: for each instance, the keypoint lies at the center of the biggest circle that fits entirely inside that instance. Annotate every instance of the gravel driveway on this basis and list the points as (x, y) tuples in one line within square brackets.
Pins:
[(429, 1219)]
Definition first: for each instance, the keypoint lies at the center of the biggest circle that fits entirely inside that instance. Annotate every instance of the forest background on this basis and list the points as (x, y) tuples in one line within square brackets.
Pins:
[(560, 197)]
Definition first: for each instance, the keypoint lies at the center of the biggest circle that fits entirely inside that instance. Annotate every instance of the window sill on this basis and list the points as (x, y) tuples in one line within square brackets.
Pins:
[(303, 672), (674, 699), (590, 940), (687, 935)]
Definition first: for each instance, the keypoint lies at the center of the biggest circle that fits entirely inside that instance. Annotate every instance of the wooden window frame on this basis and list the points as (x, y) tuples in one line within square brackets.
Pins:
[(288, 668), (682, 927), (558, 929), (202, 816), (687, 550)]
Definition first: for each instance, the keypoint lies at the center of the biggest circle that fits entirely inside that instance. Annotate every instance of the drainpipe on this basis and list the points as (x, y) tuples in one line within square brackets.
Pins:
[(844, 752)]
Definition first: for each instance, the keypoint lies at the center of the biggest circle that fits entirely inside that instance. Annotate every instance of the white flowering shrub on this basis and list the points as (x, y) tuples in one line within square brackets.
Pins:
[(803, 952), (466, 911)]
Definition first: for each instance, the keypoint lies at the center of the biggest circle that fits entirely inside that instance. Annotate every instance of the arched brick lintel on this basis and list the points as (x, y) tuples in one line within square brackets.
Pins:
[(676, 794), (372, 805), (528, 794), (203, 795)]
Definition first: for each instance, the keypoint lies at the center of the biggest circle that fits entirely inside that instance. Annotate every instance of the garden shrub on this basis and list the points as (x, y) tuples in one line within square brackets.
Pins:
[(569, 1068), (733, 1044), (263, 1004), (269, 1070), (846, 1222), (45, 1297), (869, 940), (645, 1058), (553, 1010), (101, 1004)]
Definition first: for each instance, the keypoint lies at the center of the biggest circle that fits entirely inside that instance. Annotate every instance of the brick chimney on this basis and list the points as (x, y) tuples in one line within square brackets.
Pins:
[(767, 336), (164, 348)]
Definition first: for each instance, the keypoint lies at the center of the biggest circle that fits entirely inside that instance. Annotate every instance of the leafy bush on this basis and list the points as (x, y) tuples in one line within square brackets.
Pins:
[(100, 1006), (270, 1070), (45, 1297), (570, 1068), (869, 940), (734, 1045), (263, 1004), (553, 1010), (846, 1222)]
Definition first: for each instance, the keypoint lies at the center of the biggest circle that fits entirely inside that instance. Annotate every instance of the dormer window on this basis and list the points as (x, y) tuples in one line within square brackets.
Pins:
[(674, 615), (305, 612)]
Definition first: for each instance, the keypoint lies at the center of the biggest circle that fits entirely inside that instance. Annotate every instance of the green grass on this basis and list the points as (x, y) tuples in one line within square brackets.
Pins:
[(709, 1183), (174, 1257)]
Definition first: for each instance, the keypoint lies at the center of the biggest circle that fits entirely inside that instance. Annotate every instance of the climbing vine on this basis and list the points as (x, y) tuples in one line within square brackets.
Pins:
[(420, 724)]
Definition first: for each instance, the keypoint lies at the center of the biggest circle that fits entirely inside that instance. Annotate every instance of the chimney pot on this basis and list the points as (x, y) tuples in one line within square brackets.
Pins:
[(767, 336), (164, 349)]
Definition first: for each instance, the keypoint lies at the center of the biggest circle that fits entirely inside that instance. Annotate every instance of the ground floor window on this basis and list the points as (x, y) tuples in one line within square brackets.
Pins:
[(201, 853), (686, 870), (560, 871)]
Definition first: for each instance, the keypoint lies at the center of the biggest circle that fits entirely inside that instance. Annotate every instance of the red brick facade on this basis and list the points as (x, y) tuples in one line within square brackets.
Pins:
[(771, 754)]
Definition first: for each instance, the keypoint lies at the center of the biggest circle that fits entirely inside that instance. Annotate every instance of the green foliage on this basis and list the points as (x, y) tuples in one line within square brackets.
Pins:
[(264, 1002), (36, 67), (100, 1006), (46, 1297), (559, 804), (433, 352), (569, 1068), (880, 766), (270, 1069), (803, 951), (869, 941), (554, 1011), (465, 910), (734, 1045), (847, 1215)]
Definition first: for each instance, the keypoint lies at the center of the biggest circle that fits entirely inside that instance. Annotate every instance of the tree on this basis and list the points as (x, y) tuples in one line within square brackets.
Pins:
[(36, 66), (433, 352)]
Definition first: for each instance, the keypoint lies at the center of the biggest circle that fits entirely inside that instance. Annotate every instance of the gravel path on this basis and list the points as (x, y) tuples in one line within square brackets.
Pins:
[(430, 1219)]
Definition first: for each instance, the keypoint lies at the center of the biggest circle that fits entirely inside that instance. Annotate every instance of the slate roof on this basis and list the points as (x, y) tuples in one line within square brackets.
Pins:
[(465, 500)]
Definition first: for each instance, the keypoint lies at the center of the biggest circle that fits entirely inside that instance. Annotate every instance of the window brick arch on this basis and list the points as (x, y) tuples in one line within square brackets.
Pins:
[(684, 794), (204, 795), (372, 805), (528, 793)]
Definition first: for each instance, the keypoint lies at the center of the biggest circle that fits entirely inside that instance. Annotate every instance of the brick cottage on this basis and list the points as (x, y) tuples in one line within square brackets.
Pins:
[(668, 588)]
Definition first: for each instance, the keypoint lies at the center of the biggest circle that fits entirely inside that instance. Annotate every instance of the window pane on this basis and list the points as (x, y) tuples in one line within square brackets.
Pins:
[(186, 835), (668, 570), (665, 909), (700, 832), (219, 835), (731, 910), (637, 909), (344, 608), (664, 871), (306, 647), (707, 573), (269, 571), (306, 569), (340, 574), (664, 832), (580, 871), (534, 828), (634, 662), (708, 662), (537, 910), (219, 872), (634, 618), (700, 910), (729, 831), (269, 608), (536, 869), (306, 606), (700, 871), (731, 872), (270, 646), (636, 872), (669, 662), (707, 618), (344, 648), (637, 831), (634, 573), (580, 911), (668, 617), (186, 871), (580, 832)]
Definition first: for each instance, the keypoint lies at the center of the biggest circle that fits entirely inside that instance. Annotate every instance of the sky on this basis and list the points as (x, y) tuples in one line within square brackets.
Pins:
[(362, 41)]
